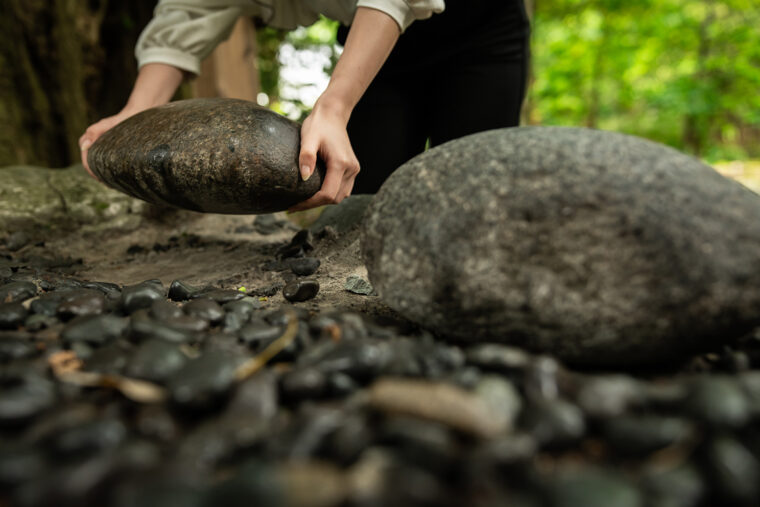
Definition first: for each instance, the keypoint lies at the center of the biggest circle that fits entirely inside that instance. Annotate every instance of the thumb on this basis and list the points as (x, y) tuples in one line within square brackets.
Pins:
[(308, 157)]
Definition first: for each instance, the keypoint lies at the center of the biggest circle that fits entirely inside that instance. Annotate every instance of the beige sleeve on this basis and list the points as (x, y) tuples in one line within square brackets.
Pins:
[(182, 33), (405, 12)]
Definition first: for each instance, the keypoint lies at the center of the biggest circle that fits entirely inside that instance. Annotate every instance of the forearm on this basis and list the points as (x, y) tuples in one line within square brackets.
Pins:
[(155, 86), (371, 38)]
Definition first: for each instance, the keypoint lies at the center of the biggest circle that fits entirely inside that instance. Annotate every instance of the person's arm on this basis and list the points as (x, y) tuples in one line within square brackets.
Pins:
[(370, 40), (172, 45), (155, 85)]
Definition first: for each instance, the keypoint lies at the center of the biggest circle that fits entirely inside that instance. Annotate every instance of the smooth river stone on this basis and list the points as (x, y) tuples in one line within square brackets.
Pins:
[(210, 155)]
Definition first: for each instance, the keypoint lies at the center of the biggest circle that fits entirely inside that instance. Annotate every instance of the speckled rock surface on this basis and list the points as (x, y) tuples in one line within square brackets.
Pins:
[(209, 155), (597, 247)]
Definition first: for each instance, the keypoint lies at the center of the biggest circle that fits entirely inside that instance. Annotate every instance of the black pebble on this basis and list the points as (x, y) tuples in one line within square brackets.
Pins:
[(24, 396), (203, 383), (304, 266), (16, 345), (140, 296), (181, 291), (221, 296), (206, 309), (47, 304), (155, 360), (90, 437), (17, 292), (81, 302), (94, 329), (300, 290), (303, 383), (12, 315), (258, 333), (110, 290), (162, 309)]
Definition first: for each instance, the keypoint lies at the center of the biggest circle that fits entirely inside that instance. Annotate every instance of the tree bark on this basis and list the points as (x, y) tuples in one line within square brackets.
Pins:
[(63, 64)]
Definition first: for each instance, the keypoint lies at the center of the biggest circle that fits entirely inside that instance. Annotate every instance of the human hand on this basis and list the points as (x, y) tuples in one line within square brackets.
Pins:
[(324, 133), (96, 130)]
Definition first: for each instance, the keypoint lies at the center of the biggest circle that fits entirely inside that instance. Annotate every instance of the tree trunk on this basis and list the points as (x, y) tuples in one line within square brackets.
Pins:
[(63, 64)]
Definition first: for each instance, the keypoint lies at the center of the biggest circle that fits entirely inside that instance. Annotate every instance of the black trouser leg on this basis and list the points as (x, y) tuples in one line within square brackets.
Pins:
[(455, 74)]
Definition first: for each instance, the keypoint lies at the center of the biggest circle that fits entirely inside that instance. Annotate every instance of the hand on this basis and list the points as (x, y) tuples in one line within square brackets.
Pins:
[(96, 130), (155, 85), (324, 133)]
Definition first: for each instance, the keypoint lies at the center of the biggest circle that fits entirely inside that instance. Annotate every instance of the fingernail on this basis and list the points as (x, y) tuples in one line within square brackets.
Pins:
[(305, 172), (85, 144)]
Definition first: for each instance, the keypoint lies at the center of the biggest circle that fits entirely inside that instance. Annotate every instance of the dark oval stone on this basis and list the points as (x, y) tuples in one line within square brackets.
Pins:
[(94, 329), (206, 309), (156, 360), (181, 291), (140, 296), (110, 290), (554, 422), (719, 401), (244, 307), (81, 302), (19, 463), (304, 266), (146, 328), (110, 359), (258, 333), (592, 488), (300, 290), (12, 315), (91, 437), (189, 323), (24, 396), (36, 322), (221, 296), (498, 357), (640, 435), (164, 310), (16, 345), (678, 487), (734, 471), (204, 382), (303, 383), (47, 304), (211, 155), (232, 322), (17, 292)]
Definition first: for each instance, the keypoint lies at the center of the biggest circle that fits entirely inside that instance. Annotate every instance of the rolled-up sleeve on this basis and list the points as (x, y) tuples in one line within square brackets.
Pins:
[(405, 12), (182, 33)]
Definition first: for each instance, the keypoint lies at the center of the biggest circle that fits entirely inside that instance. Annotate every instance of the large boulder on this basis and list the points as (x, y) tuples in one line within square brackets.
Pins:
[(595, 246), (210, 155)]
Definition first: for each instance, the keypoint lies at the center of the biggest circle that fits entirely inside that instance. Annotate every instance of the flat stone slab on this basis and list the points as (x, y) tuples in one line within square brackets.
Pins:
[(594, 246), (209, 155)]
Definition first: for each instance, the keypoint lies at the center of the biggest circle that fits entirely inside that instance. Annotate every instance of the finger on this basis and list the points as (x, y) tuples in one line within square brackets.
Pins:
[(328, 192), (308, 156), (87, 165), (347, 185)]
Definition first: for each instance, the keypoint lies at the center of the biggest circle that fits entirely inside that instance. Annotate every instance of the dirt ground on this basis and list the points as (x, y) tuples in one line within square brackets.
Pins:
[(205, 249)]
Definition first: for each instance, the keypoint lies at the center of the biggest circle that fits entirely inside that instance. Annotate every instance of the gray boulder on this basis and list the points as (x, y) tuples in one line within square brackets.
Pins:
[(210, 155), (598, 247)]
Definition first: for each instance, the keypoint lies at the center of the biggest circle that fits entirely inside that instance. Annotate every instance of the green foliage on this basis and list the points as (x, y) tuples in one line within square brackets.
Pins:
[(683, 73)]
